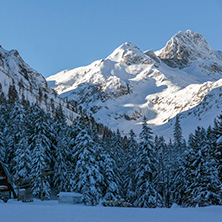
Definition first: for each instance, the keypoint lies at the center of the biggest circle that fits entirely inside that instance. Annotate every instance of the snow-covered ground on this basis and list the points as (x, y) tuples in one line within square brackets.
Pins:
[(48, 211)]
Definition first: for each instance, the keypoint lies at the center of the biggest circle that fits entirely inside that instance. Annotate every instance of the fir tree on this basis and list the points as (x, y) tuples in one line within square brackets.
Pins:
[(178, 156), (162, 179), (12, 94), (87, 176), (40, 146), (177, 134), (202, 181), (2, 134), (217, 135), (145, 175), (117, 153), (2, 147), (110, 184), (22, 159), (130, 167), (61, 163)]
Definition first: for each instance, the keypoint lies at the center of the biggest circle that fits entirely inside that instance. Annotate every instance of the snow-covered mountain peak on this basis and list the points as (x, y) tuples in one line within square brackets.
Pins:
[(128, 45), (129, 54), (12, 64), (129, 84), (184, 48)]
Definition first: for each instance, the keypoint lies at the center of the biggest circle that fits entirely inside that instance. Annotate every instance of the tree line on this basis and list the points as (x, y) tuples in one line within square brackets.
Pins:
[(89, 158)]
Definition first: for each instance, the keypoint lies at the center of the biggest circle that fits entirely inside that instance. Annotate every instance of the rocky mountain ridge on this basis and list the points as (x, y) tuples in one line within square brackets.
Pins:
[(120, 89), (30, 85)]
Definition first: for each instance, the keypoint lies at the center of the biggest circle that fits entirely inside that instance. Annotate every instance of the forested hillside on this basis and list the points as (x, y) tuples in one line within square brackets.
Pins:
[(88, 158)]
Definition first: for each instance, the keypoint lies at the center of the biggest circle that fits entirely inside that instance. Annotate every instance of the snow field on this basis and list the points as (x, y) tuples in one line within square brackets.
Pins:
[(51, 211)]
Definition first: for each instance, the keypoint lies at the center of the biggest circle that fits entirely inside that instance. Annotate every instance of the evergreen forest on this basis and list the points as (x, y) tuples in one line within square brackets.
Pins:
[(102, 165)]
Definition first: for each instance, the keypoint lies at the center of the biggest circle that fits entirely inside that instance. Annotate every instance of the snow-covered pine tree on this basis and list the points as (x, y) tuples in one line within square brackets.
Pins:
[(177, 134), (203, 187), (17, 128), (2, 147), (116, 149), (130, 167), (170, 166), (178, 155), (60, 119), (40, 146), (12, 94), (9, 136), (146, 194), (117, 153), (162, 179), (110, 184), (87, 176), (3, 100), (210, 139), (22, 159), (217, 139), (61, 153), (2, 134), (70, 141)]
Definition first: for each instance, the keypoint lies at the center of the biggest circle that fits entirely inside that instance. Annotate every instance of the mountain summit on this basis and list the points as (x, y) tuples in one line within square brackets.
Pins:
[(185, 47), (129, 84), (129, 54)]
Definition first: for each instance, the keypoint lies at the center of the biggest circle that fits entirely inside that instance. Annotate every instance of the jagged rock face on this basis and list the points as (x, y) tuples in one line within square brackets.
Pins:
[(13, 65), (120, 89), (152, 55), (31, 86), (184, 48)]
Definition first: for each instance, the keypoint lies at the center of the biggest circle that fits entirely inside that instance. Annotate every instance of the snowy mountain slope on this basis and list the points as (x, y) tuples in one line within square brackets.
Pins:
[(29, 84), (201, 115), (119, 90)]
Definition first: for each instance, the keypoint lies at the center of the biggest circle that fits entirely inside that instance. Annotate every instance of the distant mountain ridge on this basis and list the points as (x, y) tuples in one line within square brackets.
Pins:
[(30, 85), (120, 89)]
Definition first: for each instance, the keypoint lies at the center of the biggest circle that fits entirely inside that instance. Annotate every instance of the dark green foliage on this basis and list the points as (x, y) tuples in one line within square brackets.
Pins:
[(130, 167), (217, 142), (89, 158), (145, 175), (12, 94), (203, 187)]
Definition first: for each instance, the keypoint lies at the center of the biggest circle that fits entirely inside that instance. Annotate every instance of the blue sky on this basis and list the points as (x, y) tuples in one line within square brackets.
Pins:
[(53, 35)]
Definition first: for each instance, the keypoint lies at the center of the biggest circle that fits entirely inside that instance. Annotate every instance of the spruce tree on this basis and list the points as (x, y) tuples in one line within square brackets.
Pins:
[(146, 194), (12, 94), (178, 156), (2, 134), (203, 187), (130, 167), (40, 146), (2, 147), (162, 179), (217, 135), (110, 184), (177, 134), (117, 153), (60, 177), (87, 176), (22, 159)]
